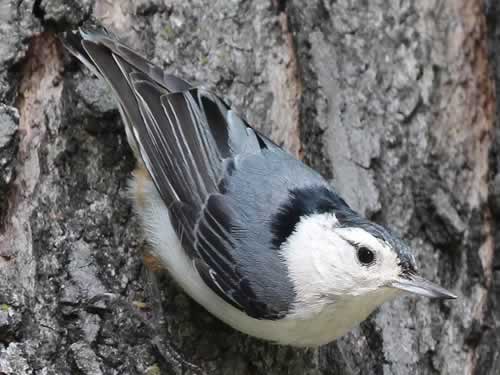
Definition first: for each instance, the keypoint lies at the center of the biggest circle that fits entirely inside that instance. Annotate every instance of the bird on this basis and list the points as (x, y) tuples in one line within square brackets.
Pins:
[(254, 235)]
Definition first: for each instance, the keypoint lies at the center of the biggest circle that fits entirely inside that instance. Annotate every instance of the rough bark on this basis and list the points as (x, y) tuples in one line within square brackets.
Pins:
[(394, 101)]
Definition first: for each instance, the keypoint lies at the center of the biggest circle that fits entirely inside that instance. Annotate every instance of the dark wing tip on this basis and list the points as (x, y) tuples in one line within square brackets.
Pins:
[(94, 32), (90, 29), (92, 26), (72, 41)]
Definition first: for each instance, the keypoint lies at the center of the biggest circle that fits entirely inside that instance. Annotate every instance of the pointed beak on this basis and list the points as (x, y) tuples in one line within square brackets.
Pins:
[(418, 285)]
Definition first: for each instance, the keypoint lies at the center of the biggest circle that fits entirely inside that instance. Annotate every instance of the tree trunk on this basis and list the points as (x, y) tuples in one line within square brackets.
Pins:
[(393, 101)]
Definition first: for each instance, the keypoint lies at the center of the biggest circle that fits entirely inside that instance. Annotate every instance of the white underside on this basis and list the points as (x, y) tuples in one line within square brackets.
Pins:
[(315, 329)]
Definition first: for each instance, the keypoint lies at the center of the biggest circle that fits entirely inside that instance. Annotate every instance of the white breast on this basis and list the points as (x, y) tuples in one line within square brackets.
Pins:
[(321, 327)]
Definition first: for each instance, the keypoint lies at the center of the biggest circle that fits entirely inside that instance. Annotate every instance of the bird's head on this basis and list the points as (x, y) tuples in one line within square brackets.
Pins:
[(333, 253)]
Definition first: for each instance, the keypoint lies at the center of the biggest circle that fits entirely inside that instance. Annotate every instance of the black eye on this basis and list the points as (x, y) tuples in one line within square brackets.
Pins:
[(365, 255)]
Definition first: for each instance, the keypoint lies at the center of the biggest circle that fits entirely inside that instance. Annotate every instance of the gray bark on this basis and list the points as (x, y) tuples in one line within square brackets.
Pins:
[(393, 101)]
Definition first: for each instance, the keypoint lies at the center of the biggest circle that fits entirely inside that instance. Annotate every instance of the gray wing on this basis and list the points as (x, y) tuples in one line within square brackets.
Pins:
[(222, 181)]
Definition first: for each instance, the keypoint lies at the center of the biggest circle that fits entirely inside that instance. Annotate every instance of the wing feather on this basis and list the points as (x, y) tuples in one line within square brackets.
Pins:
[(191, 143)]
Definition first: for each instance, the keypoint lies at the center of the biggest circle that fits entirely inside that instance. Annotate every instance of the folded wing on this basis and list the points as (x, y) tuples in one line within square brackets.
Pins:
[(191, 143)]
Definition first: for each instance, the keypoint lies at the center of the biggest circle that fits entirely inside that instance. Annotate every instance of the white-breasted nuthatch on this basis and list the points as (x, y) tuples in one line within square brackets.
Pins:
[(258, 238)]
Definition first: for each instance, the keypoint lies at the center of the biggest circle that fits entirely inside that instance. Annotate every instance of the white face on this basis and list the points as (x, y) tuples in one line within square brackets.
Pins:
[(327, 262)]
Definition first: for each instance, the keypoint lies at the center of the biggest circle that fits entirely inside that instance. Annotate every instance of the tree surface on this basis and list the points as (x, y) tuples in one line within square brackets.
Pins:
[(393, 101)]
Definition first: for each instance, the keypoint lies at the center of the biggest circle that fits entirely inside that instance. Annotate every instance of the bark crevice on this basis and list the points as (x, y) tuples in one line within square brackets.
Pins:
[(394, 103)]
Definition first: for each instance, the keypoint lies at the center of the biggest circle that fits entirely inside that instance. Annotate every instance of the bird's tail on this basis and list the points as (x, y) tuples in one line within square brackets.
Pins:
[(73, 42), (99, 50), (114, 62)]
